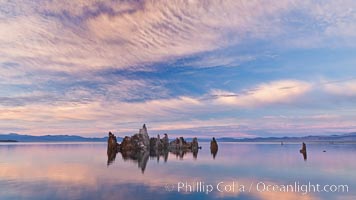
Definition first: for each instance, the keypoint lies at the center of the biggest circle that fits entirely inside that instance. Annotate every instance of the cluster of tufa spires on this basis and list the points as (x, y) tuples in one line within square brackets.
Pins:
[(140, 146), (142, 142)]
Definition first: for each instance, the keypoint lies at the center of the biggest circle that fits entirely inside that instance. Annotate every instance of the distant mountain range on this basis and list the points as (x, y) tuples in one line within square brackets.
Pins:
[(349, 137), (14, 137)]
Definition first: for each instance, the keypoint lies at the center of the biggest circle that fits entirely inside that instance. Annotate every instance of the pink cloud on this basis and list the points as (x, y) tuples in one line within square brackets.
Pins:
[(283, 91)]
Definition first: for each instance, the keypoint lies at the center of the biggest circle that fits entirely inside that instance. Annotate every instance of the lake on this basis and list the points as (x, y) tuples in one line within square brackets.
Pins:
[(239, 171)]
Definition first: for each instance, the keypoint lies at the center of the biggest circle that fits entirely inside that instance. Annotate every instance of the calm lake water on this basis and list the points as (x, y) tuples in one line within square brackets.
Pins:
[(239, 171)]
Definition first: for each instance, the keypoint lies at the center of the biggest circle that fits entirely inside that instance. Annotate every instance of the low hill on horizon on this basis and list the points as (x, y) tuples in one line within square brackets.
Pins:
[(50, 138), (348, 137)]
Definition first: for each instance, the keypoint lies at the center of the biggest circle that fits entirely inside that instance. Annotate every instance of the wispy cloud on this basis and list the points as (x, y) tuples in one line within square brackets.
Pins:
[(342, 88), (182, 114), (87, 66), (91, 35), (276, 92)]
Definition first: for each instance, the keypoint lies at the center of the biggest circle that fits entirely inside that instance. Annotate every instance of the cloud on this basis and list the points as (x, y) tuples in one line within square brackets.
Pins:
[(85, 110), (86, 66), (109, 95), (92, 35), (94, 115), (81, 110), (283, 91), (347, 88), (336, 18)]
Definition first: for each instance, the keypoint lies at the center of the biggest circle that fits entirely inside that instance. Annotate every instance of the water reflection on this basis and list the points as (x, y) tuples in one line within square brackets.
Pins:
[(79, 171), (214, 152), (180, 153), (142, 157), (304, 155), (111, 157), (158, 154)]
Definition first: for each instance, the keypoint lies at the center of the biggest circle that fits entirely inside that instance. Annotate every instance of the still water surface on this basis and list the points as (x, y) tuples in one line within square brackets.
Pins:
[(244, 171)]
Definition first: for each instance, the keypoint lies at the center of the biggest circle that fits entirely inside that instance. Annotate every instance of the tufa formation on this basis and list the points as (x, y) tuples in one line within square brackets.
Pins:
[(140, 147)]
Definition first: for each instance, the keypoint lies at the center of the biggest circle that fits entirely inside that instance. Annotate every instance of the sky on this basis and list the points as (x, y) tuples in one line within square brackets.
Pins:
[(189, 68)]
